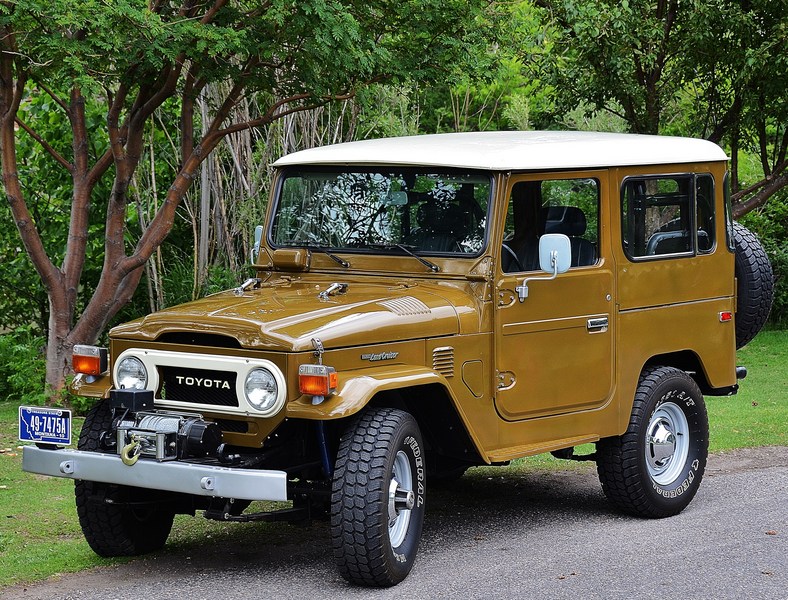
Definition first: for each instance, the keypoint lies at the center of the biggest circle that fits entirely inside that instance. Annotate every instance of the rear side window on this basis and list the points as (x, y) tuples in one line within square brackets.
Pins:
[(668, 215)]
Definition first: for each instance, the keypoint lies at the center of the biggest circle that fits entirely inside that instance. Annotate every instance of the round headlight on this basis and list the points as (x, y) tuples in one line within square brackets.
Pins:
[(261, 389), (131, 374)]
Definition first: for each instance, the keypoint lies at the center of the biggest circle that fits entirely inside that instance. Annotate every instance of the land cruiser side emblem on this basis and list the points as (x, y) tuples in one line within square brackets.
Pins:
[(374, 357), (202, 382)]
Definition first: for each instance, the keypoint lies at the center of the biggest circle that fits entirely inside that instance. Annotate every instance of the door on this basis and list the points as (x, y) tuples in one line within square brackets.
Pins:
[(554, 349)]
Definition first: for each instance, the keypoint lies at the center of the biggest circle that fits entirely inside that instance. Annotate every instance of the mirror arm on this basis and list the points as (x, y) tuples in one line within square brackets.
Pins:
[(522, 290)]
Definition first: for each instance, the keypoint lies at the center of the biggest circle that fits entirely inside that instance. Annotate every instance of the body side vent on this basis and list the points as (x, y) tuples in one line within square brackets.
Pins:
[(443, 360)]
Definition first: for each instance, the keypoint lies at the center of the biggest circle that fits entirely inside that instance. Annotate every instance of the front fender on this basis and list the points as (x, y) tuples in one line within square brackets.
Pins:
[(99, 387), (357, 388)]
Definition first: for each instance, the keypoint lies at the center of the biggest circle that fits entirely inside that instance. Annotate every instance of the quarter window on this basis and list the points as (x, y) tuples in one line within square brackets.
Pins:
[(668, 216)]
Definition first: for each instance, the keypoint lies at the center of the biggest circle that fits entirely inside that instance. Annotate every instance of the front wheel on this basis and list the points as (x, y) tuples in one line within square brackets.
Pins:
[(118, 520), (656, 467), (377, 501)]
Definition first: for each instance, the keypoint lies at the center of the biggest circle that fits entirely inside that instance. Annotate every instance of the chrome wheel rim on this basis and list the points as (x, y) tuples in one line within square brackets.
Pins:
[(667, 443), (401, 499)]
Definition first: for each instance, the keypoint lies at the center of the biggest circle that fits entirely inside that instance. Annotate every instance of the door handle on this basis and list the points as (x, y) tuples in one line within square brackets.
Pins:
[(597, 325)]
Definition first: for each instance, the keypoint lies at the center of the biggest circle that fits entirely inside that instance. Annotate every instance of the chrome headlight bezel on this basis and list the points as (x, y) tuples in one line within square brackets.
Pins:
[(261, 390), (127, 382)]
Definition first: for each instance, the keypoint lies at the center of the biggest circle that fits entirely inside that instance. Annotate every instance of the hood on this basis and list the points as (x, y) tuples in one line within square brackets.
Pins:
[(286, 315)]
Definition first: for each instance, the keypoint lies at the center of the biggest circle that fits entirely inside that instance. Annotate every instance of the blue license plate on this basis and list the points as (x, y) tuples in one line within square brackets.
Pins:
[(45, 425)]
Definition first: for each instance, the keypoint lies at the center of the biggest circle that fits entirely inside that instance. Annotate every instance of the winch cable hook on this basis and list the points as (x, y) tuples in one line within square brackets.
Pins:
[(131, 452)]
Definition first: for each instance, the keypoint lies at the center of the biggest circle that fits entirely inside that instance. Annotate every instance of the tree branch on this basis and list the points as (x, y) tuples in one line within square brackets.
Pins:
[(45, 145)]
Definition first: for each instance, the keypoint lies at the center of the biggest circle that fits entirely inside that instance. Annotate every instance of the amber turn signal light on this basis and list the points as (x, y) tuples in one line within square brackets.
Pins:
[(89, 360), (317, 380)]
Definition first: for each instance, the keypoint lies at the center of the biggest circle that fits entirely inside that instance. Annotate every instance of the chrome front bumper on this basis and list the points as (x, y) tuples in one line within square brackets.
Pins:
[(172, 476)]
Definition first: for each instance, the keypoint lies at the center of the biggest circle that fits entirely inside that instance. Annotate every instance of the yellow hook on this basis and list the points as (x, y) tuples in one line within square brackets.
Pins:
[(131, 453)]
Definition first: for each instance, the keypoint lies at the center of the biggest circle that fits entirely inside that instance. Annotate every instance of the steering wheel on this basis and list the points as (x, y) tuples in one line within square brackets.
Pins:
[(513, 255)]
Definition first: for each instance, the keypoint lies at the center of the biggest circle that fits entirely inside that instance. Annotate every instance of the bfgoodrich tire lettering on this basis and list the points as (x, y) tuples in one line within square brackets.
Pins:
[(118, 520), (655, 468), (377, 502)]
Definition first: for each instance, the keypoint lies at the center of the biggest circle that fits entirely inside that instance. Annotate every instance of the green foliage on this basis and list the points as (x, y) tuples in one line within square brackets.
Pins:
[(22, 366), (180, 279), (770, 224)]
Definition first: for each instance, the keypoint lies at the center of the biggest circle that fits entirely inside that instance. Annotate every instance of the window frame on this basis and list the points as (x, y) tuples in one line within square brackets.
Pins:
[(594, 175), (692, 208)]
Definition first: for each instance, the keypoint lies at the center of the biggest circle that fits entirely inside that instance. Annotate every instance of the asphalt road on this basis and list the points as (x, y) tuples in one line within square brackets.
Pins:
[(540, 535)]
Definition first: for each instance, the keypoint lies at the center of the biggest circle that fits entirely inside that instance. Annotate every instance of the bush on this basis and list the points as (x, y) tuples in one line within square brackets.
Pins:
[(770, 224), (23, 366), (779, 258)]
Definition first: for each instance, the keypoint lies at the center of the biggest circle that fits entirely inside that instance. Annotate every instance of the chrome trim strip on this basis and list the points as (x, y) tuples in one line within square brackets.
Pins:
[(172, 476)]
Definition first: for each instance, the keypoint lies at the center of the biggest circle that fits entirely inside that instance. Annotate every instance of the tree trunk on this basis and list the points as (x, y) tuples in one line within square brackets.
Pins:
[(58, 351)]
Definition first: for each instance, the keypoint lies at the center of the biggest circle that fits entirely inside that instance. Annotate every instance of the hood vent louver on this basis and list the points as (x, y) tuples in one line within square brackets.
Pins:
[(443, 361), (407, 306)]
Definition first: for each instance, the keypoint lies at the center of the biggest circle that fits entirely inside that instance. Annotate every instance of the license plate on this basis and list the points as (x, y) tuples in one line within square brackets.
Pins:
[(45, 425)]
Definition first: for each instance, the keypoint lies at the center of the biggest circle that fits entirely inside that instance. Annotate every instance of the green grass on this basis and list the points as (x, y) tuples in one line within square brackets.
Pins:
[(40, 535), (758, 414)]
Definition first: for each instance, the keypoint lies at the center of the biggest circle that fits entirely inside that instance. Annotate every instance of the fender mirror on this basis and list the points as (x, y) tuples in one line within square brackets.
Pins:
[(258, 236)]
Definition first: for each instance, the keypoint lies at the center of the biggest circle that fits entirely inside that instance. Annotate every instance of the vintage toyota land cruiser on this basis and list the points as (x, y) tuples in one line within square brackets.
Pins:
[(418, 306)]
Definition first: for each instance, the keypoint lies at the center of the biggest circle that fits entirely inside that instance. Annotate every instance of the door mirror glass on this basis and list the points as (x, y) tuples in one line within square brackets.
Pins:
[(555, 253)]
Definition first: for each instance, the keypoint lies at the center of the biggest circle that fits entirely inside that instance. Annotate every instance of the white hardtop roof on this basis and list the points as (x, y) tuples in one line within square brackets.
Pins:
[(513, 151)]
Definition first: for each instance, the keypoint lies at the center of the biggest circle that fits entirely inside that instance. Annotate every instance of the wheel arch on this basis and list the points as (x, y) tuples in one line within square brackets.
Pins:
[(692, 364), (446, 436), (417, 390)]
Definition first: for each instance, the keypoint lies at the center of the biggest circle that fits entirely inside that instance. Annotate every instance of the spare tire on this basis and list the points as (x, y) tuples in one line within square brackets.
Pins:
[(754, 285)]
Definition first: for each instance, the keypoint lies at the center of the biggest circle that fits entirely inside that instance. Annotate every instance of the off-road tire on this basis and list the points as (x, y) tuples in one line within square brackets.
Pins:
[(111, 526), (754, 285), (626, 464), (373, 452)]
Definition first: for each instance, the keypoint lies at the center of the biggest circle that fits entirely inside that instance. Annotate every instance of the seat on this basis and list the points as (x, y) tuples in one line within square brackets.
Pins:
[(668, 242), (571, 221), (440, 228)]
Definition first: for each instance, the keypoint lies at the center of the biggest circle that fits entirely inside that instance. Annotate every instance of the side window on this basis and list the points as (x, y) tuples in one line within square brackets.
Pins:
[(568, 206), (704, 206), (668, 215), (728, 214)]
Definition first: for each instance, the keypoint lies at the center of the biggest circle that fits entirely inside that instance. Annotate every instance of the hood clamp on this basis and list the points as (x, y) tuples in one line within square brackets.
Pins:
[(251, 282), (333, 290), (319, 350)]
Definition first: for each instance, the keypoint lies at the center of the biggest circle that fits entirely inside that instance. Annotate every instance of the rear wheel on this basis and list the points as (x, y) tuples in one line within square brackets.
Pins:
[(118, 520), (377, 502), (655, 468)]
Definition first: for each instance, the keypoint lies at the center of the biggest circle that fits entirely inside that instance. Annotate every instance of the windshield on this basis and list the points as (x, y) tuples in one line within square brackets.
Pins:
[(427, 212)]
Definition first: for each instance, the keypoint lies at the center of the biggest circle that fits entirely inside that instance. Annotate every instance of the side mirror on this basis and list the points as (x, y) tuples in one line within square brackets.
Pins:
[(258, 238), (555, 257), (555, 253)]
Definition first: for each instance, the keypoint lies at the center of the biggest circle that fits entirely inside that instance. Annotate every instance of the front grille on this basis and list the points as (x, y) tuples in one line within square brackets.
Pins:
[(198, 386), (232, 426)]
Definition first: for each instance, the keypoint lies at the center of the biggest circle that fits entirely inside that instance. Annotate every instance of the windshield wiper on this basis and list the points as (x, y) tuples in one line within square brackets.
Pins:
[(407, 250), (317, 248)]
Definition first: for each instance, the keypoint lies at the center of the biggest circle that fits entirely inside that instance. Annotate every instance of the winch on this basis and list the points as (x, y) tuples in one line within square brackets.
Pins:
[(161, 435)]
